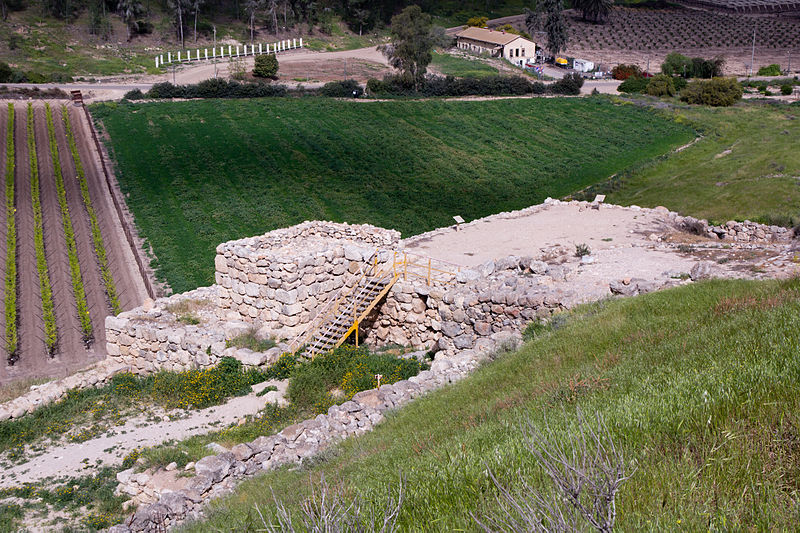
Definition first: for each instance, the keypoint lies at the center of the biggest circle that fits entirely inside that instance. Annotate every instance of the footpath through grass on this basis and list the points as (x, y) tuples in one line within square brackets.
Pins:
[(746, 167), (203, 172), (698, 386)]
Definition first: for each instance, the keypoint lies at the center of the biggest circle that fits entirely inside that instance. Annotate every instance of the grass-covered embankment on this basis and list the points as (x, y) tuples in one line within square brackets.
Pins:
[(97, 236), (747, 166), (199, 173), (698, 386)]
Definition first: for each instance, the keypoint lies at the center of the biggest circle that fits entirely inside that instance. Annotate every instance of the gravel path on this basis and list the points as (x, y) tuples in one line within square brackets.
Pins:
[(137, 432)]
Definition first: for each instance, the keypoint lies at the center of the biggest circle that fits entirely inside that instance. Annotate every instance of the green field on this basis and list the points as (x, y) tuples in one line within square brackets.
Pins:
[(747, 166), (698, 386), (460, 67), (203, 172)]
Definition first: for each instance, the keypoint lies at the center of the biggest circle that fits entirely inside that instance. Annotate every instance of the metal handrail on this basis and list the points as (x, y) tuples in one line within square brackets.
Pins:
[(395, 269)]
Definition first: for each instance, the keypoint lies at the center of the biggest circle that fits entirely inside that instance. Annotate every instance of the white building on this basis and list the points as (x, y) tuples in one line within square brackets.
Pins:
[(513, 47)]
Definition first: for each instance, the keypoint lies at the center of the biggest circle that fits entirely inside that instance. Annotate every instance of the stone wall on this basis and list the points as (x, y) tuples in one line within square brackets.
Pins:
[(734, 231), (282, 279)]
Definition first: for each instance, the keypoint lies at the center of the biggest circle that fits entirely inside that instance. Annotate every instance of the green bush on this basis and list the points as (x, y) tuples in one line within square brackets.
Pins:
[(718, 92), (283, 367), (661, 85), (251, 341), (677, 64), (135, 94), (5, 72), (634, 85), (341, 89), (786, 89), (202, 388), (348, 369), (770, 70), (570, 85), (216, 88), (266, 66)]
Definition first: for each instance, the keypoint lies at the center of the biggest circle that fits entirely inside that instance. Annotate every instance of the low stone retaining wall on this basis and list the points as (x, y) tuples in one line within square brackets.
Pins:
[(217, 475), (734, 231)]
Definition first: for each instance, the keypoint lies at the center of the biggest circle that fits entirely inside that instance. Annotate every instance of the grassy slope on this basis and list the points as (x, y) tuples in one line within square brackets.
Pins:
[(759, 178), (459, 67), (203, 172), (698, 386)]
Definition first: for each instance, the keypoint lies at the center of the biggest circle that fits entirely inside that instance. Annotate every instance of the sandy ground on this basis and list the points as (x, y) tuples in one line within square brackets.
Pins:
[(624, 243), (76, 459)]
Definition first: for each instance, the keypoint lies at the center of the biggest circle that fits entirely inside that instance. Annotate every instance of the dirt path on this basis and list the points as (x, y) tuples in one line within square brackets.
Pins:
[(29, 304), (130, 287), (137, 432), (90, 270), (70, 343)]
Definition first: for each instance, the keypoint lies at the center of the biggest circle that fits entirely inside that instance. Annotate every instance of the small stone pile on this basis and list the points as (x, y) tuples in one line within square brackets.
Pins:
[(745, 232), (217, 475)]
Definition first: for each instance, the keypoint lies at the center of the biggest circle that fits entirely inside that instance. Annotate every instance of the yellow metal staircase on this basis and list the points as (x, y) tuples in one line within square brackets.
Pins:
[(341, 318)]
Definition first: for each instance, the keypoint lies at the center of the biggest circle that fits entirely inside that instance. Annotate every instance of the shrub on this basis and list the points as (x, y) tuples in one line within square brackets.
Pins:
[(633, 85), (569, 84), (677, 64), (135, 94), (679, 83), (251, 341), (266, 66), (714, 92), (661, 85), (623, 72), (5, 72), (786, 89), (216, 88), (347, 368), (770, 70), (202, 388), (478, 22), (283, 367), (341, 89)]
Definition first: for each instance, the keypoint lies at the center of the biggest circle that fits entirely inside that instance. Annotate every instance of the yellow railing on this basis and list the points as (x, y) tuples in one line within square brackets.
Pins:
[(403, 265)]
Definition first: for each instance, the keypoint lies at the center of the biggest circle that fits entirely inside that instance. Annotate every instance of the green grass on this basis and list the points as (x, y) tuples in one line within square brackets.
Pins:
[(759, 179), (698, 386), (461, 67), (203, 172)]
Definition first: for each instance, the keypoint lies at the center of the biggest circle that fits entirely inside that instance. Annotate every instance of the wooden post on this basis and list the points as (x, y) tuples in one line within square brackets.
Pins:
[(429, 272)]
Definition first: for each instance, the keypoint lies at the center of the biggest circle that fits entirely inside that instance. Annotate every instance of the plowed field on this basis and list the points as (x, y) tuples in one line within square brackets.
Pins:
[(62, 226)]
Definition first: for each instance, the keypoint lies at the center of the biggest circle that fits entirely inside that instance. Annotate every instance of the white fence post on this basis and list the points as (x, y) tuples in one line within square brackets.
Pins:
[(156, 61), (237, 50), (230, 51), (179, 56), (260, 51), (205, 50), (198, 54), (294, 43), (301, 42), (169, 57)]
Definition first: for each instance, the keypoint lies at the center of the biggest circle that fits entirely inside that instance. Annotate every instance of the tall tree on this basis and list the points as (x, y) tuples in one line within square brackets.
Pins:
[(594, 10), (549, 16), (412, 43), (272, 11), (128, 11), (179, 7), (196, 6), (252, 7)]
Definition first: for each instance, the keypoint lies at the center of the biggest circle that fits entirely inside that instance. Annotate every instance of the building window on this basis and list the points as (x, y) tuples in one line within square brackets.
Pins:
[(523, 52)]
